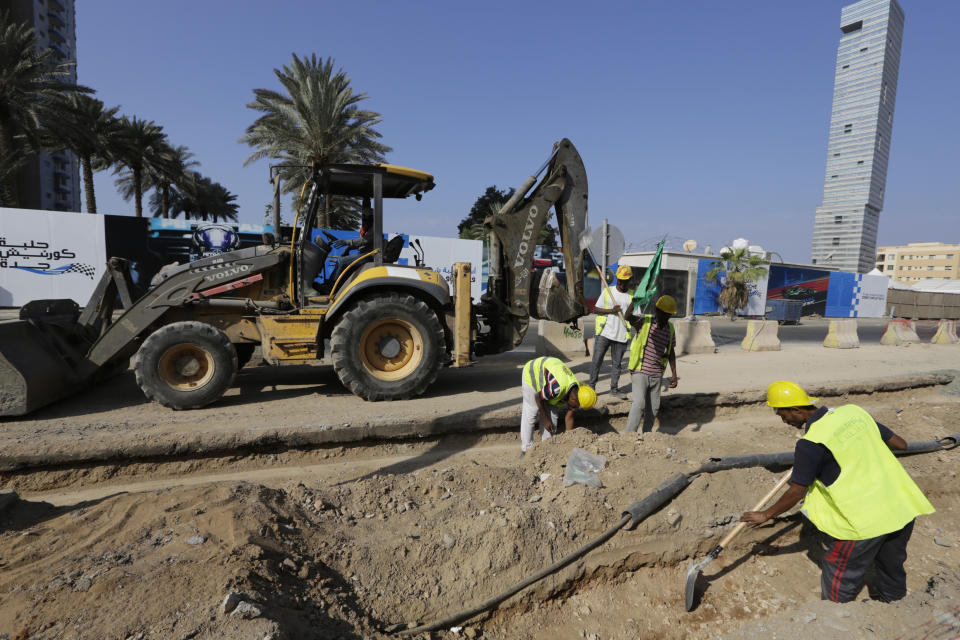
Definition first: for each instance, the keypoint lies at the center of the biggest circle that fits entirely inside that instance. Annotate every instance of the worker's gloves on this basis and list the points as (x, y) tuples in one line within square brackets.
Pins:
[(339, 243)]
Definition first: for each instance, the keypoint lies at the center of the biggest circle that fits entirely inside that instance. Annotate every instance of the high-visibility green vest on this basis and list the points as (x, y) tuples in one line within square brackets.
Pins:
[(601, 320), (639, 342), (534, 374), (873, 495)]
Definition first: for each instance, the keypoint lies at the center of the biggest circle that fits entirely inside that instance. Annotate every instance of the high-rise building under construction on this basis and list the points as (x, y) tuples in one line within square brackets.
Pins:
[(861, 121)]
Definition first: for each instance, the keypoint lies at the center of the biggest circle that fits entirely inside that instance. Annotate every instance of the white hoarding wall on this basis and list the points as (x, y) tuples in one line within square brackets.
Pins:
[(757, 296), (49, 254), (441, 253)]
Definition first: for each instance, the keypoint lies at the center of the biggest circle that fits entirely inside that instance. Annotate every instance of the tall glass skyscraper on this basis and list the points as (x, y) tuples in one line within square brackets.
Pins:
[(864, 93)]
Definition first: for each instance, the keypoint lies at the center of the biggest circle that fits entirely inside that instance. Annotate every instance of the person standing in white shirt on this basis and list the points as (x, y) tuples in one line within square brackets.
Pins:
[(611, 332)]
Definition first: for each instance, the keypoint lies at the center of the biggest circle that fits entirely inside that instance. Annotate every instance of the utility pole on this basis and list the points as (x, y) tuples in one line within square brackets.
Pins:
[(275, 179), (605, 251)]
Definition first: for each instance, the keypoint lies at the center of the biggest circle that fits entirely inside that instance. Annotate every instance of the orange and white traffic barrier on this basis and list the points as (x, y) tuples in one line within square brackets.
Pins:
[(899, 331), (946, 333)]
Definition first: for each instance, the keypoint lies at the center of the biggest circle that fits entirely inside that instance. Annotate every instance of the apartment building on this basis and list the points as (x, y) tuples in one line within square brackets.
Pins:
[(920, 261), (50, 181)]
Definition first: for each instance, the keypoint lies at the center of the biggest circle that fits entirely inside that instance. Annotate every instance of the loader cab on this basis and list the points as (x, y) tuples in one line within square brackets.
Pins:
[(313, 244)]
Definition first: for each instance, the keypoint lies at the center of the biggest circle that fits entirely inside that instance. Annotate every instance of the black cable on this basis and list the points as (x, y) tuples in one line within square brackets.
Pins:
[(641, 509)]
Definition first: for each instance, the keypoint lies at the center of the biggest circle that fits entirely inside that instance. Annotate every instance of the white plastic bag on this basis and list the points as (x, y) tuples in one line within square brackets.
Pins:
[(582, 468)]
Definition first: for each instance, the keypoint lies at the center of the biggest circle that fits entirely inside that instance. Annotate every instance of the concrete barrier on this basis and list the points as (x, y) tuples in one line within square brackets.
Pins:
[(761, 336), (946, 333), (899, 331), (560, 340), (693, 336), (842, 334)]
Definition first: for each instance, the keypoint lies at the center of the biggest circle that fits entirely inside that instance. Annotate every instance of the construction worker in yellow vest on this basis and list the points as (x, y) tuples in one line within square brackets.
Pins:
[(651, 349), (855, 492), (610, 331), (548, 385)]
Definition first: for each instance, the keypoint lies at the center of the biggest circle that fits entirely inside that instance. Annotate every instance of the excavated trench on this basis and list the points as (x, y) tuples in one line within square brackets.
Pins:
[(363, 541)]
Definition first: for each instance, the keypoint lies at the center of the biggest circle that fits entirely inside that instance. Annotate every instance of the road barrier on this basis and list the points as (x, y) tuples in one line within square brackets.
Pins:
[(842, 334), (693, 336), (560, 340), (899, 331), (946, 333), (761, 336)]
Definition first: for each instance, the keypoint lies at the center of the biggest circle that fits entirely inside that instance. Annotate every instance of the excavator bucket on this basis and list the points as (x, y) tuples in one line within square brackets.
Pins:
[(41, 360), (515, 292)]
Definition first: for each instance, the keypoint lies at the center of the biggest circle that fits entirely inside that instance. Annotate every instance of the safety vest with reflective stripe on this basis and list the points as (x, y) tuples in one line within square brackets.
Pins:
[(535, 376), (607, 303), (873, 495), (639, 343)]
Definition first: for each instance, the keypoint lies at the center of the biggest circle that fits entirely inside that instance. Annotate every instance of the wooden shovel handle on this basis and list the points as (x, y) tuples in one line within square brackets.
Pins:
[(737, 529)]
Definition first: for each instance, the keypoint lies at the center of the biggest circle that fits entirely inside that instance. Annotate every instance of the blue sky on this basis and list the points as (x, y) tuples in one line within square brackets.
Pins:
[(696, 119)]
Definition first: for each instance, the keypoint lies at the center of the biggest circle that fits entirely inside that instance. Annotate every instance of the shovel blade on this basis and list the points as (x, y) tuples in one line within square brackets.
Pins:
[(690, 589)]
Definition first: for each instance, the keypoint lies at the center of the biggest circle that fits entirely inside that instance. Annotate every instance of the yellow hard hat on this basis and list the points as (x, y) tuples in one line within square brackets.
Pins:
[(624, 272), (667, 304), (587, 396), (783, 393)]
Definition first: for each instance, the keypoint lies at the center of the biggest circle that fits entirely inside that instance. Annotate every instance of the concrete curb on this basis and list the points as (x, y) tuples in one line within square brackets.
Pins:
[(213, 444)]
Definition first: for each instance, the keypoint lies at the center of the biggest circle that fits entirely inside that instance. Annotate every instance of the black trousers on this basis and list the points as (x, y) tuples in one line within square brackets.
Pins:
[(847, 561), (617, 349)]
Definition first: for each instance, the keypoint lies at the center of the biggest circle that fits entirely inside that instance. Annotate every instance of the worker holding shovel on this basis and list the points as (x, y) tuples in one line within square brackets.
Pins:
[(611, 330), (856, 493)]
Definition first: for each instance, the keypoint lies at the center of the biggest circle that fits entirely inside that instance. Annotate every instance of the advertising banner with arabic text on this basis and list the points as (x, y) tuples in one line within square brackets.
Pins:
[(49, 254)]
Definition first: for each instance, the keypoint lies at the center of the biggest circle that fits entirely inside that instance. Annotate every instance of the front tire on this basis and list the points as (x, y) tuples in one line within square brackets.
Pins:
[(185, 365), (388, 348)]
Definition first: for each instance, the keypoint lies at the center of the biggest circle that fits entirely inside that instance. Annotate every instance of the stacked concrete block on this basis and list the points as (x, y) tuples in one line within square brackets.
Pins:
[(761, 336), (842, 334), (899, 331)]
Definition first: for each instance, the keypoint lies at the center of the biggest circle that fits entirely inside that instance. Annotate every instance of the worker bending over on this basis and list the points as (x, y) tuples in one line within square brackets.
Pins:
[(547, 386), (856, 493)]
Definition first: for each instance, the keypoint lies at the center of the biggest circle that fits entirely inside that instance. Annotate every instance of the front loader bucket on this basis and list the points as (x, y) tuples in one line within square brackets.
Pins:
[(37, 367)]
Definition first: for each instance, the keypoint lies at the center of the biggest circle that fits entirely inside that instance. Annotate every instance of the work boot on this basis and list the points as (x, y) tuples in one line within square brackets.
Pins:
[(619, 393)]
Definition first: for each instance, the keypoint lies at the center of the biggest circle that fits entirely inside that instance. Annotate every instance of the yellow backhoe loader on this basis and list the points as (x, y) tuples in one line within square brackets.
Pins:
[(390, 328)]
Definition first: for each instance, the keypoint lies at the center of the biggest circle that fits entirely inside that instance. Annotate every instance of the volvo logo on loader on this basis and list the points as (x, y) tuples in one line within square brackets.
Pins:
[(226, 273), (525, 238)]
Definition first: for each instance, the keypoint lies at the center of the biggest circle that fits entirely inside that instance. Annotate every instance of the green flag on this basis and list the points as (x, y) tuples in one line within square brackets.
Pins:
[(647, 288)]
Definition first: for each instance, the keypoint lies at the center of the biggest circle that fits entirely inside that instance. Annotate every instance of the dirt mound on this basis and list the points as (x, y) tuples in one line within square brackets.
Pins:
[(160, 565), (361, 552)]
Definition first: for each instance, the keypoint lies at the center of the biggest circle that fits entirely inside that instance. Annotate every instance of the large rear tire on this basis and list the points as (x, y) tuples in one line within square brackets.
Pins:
[(185, 365), (388, 348)]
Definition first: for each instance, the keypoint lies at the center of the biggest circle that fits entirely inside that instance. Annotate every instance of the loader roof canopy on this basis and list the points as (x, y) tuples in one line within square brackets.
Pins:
[(356, 180)]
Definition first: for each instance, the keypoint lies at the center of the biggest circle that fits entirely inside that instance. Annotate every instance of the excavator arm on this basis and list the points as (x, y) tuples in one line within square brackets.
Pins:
[(514, 292)]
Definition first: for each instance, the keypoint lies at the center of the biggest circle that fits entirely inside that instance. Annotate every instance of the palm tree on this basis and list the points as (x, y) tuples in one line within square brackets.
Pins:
[(30, 80), (200, 198), (177, 162), (315, 121), (165, 167), (738, 268), (137, 144), (87, 129)]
